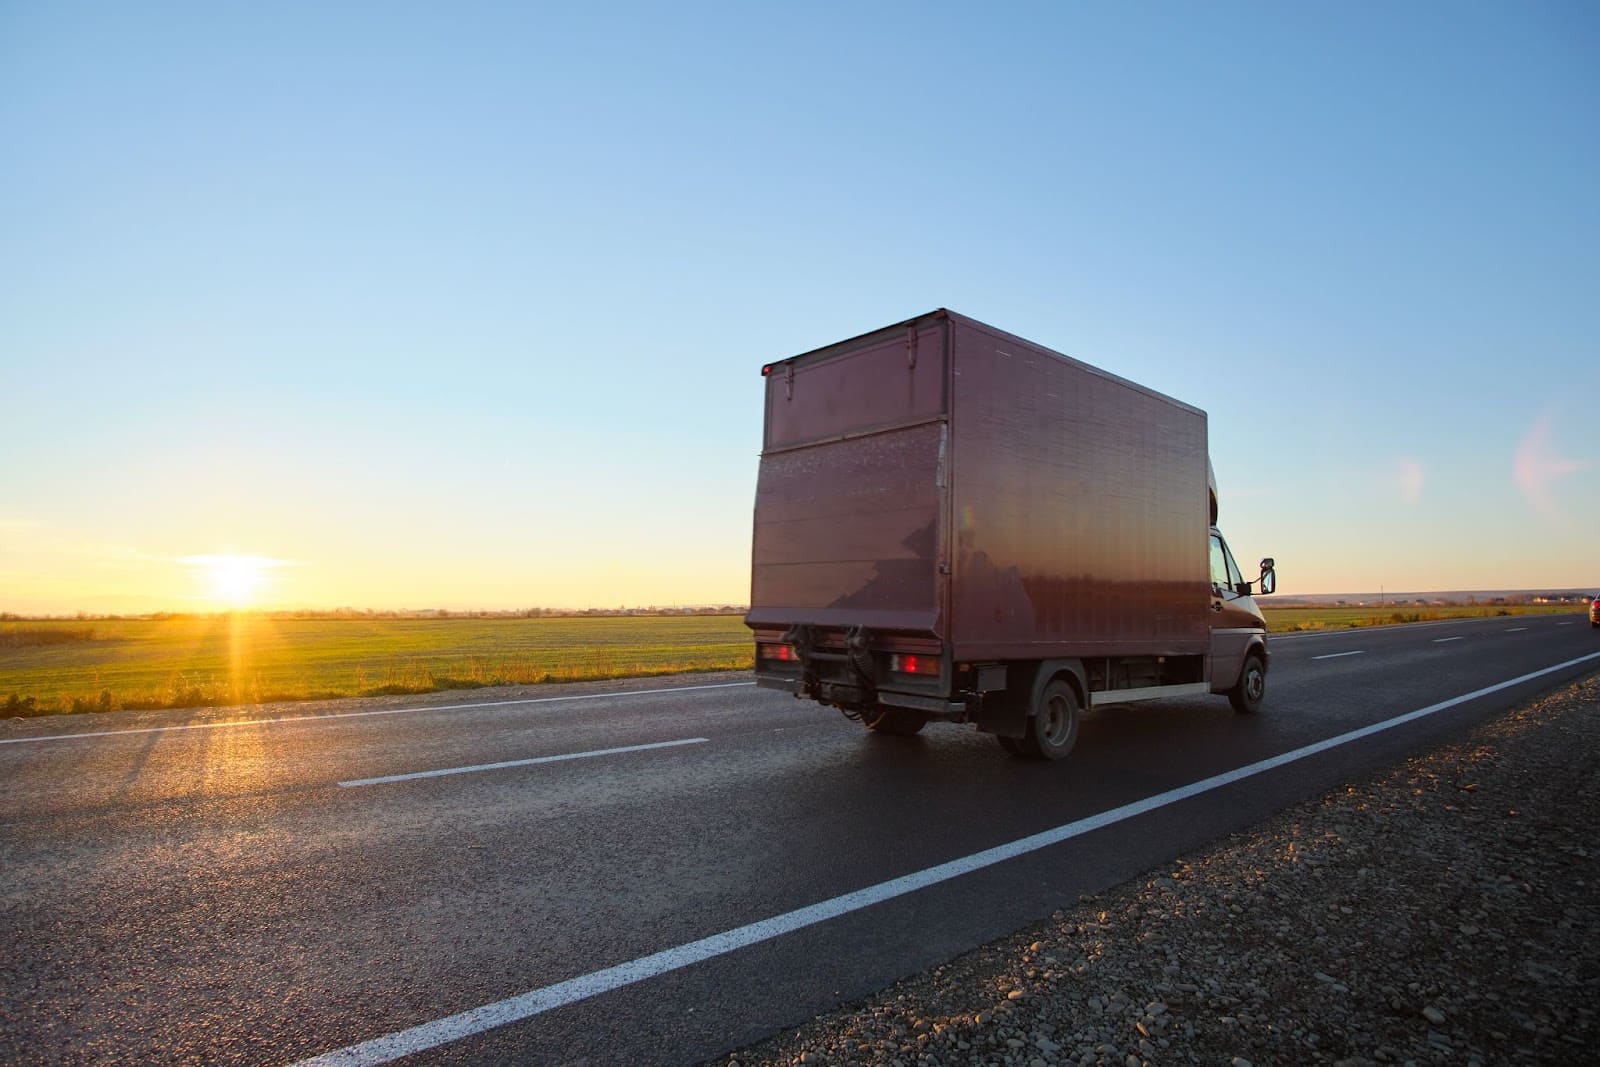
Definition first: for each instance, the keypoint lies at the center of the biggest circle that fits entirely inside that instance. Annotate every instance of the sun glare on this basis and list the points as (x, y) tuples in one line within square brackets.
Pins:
[(235, 580)]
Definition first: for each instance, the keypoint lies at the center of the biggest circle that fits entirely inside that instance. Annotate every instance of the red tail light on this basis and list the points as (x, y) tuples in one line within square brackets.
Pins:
[(911, 664), (781, 653)]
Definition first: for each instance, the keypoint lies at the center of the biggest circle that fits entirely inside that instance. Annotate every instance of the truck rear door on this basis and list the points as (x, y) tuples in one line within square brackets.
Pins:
[(851, 493)]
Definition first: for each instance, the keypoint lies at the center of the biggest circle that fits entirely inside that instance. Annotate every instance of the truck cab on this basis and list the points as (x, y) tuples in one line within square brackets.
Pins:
[(1238, 659)]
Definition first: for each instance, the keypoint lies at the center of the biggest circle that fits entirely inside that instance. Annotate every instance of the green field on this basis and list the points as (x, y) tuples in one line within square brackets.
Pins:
[(246, 659), (94, 665)]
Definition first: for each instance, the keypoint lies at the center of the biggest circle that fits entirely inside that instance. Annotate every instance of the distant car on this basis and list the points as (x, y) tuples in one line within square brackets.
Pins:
[(1594, 612)]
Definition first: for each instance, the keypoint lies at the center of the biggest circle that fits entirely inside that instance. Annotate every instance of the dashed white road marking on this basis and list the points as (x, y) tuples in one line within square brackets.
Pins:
[(1336, 655), (1442, 640), (375, 711), (1515, 629), (521, 762), (438, 1032)]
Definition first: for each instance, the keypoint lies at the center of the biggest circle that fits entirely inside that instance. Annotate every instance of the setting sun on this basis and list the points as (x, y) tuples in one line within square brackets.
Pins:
[(234, 579)]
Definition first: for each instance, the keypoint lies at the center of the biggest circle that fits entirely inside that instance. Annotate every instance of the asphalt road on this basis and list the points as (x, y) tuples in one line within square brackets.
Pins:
[(181, 886)]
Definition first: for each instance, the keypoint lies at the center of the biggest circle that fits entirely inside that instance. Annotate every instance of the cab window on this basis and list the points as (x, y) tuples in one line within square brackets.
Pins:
[(1219, 565)]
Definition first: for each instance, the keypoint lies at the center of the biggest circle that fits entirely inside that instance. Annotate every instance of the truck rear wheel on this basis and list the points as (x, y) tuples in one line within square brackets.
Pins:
[(1251, 689), (899, 721), (1053, 726)]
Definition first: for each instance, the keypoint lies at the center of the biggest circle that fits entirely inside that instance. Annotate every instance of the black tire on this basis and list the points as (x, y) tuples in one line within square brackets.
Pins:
[(1053, 726), (1010, 744), (900, 722), (1251, 688)]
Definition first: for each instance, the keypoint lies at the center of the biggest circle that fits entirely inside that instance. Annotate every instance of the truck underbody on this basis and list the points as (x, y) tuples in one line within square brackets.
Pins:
[(861, 672)]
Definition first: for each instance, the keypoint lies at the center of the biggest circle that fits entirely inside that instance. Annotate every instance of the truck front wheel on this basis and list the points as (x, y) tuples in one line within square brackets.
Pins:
[(1053, 726), (1251, 689)]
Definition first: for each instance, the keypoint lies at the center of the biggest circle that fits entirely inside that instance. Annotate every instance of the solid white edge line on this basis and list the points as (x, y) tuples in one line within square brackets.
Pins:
[(537, 1001), (375, 711), (1336, 655), (521, 762)]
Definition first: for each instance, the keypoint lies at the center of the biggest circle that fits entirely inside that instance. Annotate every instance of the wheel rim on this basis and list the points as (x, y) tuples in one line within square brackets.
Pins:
[(1057, 721), (1255, 683)]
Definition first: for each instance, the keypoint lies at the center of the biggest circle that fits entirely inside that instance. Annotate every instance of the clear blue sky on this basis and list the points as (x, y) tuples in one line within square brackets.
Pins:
[(464, 305)]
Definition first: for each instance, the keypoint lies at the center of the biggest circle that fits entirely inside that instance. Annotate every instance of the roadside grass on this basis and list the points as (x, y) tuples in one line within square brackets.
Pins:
[(1293, 620), (219, 660)]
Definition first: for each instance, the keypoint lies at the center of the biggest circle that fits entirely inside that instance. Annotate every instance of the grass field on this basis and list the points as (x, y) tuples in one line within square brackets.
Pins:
[(50, 667)]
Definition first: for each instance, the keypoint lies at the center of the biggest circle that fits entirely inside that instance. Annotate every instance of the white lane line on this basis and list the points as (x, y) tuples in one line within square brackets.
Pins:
[(1566, 624), (1442, 640), (537, 1001), (521, 762), (377, 711), (1515, 629), (1336, 655)]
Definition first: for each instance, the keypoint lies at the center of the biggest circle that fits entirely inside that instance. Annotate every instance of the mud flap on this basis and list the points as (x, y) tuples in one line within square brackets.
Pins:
[(1002, 714)]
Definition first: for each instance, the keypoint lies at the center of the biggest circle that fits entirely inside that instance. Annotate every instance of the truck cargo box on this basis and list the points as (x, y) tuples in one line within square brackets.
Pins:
[(946, 480)]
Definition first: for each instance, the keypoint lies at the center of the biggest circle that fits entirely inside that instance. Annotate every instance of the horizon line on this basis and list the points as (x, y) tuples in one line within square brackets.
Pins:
[(719, 608)]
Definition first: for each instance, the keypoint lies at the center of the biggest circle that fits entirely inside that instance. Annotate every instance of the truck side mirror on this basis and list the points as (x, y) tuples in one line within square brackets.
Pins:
[(1269, 577)]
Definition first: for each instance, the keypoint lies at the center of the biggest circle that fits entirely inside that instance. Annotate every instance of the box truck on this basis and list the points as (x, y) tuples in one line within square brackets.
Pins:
[(953, 524)]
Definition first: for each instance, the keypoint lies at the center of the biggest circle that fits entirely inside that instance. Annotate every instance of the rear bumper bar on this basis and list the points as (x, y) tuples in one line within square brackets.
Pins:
[(942, 709)]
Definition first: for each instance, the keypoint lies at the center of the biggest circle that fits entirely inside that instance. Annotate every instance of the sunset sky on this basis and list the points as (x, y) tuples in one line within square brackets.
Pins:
[(465, 305)]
